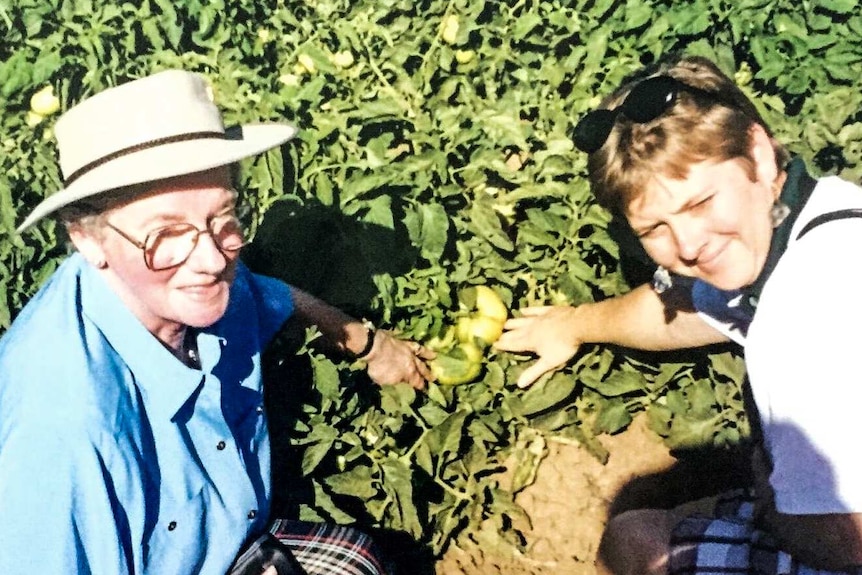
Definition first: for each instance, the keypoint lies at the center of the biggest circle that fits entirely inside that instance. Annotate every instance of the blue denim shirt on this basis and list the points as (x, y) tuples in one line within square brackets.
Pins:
[(114, 456)]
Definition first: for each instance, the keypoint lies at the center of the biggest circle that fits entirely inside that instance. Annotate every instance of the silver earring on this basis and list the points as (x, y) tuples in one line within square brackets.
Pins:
[(661, 280), (778, 213)]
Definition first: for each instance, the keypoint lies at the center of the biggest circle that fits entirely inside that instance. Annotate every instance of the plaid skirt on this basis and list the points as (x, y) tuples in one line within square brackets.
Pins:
[(327, 549), (729, 543)]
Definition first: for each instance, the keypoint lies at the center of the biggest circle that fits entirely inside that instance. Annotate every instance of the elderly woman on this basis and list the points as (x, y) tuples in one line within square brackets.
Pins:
[(133, 436), (750, 249)]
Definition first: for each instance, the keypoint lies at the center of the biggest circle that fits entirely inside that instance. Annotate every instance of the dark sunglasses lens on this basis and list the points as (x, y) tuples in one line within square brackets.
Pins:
[(593, 130), (650, 99)]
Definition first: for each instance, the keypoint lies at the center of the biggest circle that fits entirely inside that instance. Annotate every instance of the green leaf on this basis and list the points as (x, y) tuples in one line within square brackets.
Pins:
[(838, 6), (621, 383), (356, 482), (398, 483), (444, 440), (485, 221), (396, 399), (637, 14), (15, 74), (429, 228), (691, 433), (323, 437), (326, 377), (613, 417), (527, 457), (331, 512), (544, 395), (701, 397)]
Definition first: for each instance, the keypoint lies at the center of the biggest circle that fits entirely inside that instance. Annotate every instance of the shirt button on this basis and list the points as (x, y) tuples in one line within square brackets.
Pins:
[(172, 525), (221, 445), (259, 409), (252, 514)]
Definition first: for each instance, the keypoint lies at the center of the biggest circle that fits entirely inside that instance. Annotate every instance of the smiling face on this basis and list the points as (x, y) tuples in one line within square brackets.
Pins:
[(194, 293), (715, 223)]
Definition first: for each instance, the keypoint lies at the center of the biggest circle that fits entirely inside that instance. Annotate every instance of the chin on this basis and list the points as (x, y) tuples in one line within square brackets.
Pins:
[(200, 316), (730, 281), (201, 321)]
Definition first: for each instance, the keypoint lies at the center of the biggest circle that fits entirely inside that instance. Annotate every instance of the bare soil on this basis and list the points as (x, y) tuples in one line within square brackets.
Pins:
[(574, 494)]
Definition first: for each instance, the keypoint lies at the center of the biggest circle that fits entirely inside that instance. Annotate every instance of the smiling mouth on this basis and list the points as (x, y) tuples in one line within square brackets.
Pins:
[(711, 260), (204, 290)]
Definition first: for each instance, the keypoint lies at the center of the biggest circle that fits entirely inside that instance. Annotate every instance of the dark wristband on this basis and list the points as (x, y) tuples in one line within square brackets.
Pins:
[(369, 344)]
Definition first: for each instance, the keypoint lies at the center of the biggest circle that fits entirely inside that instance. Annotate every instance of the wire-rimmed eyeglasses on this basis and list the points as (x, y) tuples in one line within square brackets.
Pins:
[(170, 246)]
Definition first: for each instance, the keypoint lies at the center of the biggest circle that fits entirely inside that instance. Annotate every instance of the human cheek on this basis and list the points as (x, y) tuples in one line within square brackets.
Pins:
[(661, 250)]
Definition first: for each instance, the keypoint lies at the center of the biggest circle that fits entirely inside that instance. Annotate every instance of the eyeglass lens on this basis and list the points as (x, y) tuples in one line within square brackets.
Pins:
[(172, 245)]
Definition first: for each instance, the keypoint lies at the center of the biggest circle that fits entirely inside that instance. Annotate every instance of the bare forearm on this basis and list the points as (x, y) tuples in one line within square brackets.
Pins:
[(638, 319), (340, 331), (641, 319), (388, 359)]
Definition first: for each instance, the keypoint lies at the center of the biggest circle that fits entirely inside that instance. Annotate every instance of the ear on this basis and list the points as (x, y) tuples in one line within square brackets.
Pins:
[(763, 155), (89, 245)]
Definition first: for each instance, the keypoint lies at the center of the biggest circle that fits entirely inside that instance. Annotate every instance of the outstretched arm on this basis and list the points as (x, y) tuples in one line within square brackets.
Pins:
[(390, 360), (640, 319)]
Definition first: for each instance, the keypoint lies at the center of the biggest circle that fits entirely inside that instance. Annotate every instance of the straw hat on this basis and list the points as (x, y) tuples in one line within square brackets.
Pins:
[(156, 127)]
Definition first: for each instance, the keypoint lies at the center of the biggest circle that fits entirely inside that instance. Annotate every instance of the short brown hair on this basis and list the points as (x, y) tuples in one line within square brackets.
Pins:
[(695, 129)]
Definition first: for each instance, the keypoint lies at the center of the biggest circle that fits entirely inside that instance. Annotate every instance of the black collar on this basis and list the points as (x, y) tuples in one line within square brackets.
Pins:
[(797, 189)]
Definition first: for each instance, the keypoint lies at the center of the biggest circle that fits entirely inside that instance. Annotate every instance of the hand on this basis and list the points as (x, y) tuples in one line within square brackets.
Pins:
[(547, 331), (393, 360)]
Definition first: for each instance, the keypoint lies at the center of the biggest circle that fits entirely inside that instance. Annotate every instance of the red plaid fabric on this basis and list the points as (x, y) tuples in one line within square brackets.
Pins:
[(327, 549)]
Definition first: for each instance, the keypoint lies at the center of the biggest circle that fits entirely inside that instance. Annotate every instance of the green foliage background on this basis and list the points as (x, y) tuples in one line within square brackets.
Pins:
[(424, 166)]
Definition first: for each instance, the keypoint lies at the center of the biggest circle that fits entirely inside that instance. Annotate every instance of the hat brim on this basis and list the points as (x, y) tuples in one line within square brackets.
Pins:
[(165, 161)]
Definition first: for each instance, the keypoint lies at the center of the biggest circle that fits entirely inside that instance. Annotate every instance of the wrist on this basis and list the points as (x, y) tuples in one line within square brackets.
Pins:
[(580, 318), (370, 335)]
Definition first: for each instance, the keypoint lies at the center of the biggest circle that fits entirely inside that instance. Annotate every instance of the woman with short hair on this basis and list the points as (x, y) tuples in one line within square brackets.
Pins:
[(752, 249)]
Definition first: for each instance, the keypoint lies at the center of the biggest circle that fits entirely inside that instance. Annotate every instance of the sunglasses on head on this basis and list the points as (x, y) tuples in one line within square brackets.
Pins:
[(645, 102)]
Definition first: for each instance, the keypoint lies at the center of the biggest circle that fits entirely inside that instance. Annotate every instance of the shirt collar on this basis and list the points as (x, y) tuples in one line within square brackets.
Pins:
[(165, 383)]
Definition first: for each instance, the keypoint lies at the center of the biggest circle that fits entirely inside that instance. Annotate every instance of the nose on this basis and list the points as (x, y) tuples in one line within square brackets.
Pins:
[(206, 257), (690, 239)]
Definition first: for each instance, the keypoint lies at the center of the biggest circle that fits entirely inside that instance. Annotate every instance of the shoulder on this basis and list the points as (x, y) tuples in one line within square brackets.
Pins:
[(55, 300), (821, 261), (816, 281), (50, 317), (813, 292), (830, 194), (54, 364), (259, 287), (258, 298)]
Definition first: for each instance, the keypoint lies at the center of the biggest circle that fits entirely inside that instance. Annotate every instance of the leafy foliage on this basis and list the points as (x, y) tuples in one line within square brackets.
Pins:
[(434, 155)]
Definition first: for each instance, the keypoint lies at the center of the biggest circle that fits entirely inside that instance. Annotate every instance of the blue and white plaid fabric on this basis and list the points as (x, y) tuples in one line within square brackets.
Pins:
[(729, 543)]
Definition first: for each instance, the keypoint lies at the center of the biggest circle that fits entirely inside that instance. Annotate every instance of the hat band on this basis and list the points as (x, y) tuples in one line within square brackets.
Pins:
[(139, 147)]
